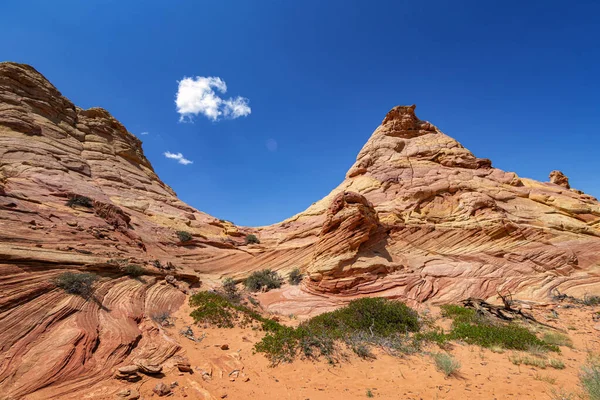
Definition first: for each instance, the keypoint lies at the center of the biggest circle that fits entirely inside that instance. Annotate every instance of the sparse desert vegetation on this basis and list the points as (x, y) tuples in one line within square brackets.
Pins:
[(81, 201), (184, 236), (446, 363), (295, 276), (265, 279), (134, 270), (79, 283), (252, 239)]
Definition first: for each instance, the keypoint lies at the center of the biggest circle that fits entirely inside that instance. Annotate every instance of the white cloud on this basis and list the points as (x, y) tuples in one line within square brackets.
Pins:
[(199, 96), (179, 157), (144, 133), (271, 145)]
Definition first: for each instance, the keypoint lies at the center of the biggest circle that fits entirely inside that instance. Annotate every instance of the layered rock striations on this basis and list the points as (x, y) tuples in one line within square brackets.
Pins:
[(417, 217)]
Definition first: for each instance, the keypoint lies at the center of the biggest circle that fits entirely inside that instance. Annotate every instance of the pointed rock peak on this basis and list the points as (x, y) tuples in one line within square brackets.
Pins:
[(401, 121), (558, 178)]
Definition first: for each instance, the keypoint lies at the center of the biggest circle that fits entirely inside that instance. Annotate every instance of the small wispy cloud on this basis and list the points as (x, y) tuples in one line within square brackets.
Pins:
[(199, 96), (145, 133), (271, 145), (179, 157)]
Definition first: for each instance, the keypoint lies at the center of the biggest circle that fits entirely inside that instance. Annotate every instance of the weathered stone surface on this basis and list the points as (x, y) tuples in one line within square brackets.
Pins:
[(558, 178)]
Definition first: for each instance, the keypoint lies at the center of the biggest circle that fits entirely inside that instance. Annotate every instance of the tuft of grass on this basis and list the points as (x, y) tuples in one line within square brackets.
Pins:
[(446, 363), (561, 394), (295, 277), (556, 363), (363, 351), (184, 236), (496, 349), (589, 379), (557, 339), (252, 239), (82, 201), (134, 270), (265, 279), (537, 350), (545, 378), (370, 393), (527, 360), (81, 284)]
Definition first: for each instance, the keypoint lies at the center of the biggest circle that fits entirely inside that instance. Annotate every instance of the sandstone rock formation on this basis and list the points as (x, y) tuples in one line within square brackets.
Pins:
[(558, 178), (418, 217)]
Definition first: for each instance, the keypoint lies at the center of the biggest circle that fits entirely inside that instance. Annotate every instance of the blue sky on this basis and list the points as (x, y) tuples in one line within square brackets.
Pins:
[(514, 81)]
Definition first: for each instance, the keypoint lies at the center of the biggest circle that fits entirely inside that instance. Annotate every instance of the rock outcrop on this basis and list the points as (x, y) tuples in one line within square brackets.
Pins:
[(417, 217), (558, 178)]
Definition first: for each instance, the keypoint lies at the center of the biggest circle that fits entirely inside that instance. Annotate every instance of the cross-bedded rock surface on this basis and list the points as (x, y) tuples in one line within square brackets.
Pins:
[(418, 217)]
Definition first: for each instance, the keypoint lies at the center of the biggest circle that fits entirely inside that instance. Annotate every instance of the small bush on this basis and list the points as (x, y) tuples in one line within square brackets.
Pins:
[(80, 201), (591, 300), (230, 290), (363, 351), (557, 339), (589, 378), (134, 270), (458, 313), (184, 236), (252, 239), (162, 318), (446, 363), (212, 309), (508, 336), (81, 284), (367, 320), (370, 393), (157, 264), (295, 277), (266, 279)]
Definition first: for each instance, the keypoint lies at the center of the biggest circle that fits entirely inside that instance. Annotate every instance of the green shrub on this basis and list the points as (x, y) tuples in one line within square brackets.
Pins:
[(368, 320), (78, 200), (266, 279), (213, 309), (295, 277), (184, 236), (81, 284), (509, 336), (134, 270), (458, 313), (252, 239), (370, 393), (446, 363)]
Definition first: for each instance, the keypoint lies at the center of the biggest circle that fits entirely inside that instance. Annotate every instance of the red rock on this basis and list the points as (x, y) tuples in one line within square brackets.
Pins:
[(161, 389), (417, 217)]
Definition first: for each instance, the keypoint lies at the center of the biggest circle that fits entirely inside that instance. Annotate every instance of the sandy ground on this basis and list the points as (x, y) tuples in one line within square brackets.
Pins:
[(238, 373)]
